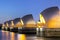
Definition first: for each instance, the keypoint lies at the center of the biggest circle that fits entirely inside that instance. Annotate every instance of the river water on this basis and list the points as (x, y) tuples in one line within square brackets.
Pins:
[(5, 35)]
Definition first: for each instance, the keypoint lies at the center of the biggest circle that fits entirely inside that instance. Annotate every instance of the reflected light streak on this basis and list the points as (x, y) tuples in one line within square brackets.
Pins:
[(3, 35), (7, 35), (12, 36), (21, 37)]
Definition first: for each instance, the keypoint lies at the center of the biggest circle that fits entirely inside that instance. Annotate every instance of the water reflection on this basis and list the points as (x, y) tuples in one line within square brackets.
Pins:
[(5, 35), (21, 37), (12, 36)]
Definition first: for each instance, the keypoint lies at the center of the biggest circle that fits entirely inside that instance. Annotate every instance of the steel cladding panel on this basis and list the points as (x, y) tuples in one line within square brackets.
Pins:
[(16, 20), (49, 12), (28, 19), (51, 17)]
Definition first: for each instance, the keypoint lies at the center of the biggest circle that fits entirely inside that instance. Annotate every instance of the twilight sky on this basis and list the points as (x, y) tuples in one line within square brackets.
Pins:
[(10, 9)]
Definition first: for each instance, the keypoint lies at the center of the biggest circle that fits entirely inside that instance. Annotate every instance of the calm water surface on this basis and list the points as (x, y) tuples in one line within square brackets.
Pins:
[(5, 35)]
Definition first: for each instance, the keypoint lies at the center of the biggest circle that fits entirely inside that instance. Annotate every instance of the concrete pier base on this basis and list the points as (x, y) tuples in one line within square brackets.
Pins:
[(20, 30), (40, 32), (15, 29), (26, 30), (8, 29), (52, 32)]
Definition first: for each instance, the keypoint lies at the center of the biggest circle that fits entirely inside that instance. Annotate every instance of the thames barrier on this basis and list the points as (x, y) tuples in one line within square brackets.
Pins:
[(47, 26)]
